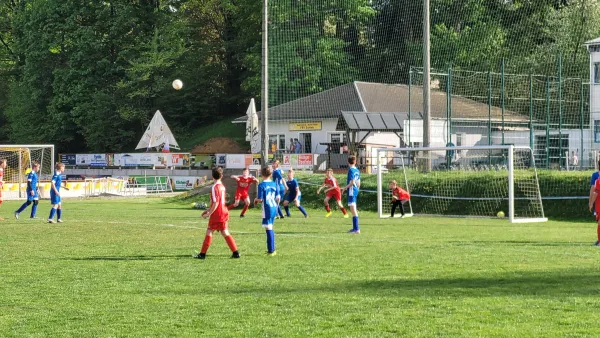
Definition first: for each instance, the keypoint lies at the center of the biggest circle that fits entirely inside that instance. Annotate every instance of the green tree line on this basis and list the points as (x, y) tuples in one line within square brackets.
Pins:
[(88, 75)]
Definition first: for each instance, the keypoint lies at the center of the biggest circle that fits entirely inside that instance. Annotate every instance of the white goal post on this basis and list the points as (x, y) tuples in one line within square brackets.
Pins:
[(463, 181), (19, 158)]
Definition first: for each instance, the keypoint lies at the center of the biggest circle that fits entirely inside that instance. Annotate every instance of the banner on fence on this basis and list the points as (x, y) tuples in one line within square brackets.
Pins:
[(187, 182), (68, 159)]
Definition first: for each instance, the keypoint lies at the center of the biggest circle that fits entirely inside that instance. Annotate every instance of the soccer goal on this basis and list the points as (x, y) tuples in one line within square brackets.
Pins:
[(19, 159), (478, 181)]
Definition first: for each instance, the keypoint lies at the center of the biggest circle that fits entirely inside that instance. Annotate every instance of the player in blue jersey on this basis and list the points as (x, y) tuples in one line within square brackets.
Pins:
[(267, 194), (55, 194), (353, 186), (33, 196), (281, 187), (293, 195)]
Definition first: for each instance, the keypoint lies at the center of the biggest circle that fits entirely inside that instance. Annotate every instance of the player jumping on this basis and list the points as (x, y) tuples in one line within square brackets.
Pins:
[(399, 197), (281, 187), (353, 188), (33, 196), (55, 194), (218, 216), (332, 189), (243, 185), (293, 195), (267, 194)]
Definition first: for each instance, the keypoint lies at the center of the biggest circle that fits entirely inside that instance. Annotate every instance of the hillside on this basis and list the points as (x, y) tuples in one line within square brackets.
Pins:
[(222, 136)]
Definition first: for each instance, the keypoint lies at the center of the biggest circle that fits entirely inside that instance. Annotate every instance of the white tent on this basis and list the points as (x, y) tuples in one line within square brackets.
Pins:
[(157, 134), (252, 128)]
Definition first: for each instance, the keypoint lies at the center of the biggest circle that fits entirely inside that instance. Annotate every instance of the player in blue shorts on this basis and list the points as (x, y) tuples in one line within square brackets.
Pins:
[(293, 195), (55, 194), (281, 187), (353, 186), (33, 196), (267, 194)]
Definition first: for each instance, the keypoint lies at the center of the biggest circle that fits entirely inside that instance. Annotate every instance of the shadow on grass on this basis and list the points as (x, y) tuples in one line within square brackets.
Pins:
[(521, 243), (564, 283), (127, 258)]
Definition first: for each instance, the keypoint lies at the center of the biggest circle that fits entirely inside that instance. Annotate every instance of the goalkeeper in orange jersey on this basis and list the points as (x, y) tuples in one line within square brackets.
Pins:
[(399, 197)]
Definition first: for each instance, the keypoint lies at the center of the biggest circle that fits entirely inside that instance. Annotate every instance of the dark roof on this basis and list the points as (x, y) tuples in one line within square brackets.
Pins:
[(378, 97), (374, 121)]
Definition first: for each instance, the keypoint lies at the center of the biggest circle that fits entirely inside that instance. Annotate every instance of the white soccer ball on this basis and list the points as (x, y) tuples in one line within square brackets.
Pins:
[(177, 84)]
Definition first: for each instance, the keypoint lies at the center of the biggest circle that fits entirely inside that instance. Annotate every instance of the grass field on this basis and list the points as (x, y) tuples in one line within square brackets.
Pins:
[(124, 268)]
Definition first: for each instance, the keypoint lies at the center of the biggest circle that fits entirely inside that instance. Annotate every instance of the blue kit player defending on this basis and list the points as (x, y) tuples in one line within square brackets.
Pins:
[(33, 196), (281, 187), (55, 194), (353, 187), (293, 195), (267, 194)]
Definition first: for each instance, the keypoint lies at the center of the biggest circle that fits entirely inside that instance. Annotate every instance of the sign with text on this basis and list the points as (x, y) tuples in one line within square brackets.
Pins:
[(187, 182), (68, 159), (299, 126)]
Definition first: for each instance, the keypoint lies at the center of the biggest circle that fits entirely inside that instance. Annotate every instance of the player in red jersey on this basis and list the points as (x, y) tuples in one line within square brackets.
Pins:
[(241, 194), (594, 204), (218, 216), (399, 197), (2, 168), (332, 190)]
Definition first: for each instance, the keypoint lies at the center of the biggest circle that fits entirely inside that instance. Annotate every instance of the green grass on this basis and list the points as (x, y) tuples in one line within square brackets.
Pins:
[(124, 268), (224, 128)]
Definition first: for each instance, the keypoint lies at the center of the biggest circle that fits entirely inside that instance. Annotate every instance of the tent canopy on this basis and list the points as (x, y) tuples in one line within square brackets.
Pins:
[(157, 134)]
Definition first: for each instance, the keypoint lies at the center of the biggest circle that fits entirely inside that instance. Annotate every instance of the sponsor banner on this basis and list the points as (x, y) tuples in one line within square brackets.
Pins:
[(221, 160), (238, 161), (150, 182), (68, 159), (287, 159), (256, 158), (83, 159), (299, 126), (305, 160), (180, 160), (187, 182), (202, 161), (82, 177)]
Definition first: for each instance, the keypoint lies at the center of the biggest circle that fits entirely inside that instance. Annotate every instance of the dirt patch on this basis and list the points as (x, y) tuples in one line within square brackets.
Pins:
[(219, 145)]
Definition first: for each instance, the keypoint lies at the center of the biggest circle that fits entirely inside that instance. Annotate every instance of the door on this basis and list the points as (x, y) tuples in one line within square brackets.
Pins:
[(306, 140)]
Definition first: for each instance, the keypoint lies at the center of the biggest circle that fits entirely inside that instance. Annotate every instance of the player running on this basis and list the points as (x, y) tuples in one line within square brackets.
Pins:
[(33, 196), (332, 189), (243, 186), (267, 195), (3, 164), (218, 216), (281, 187), (55, 199), (399, 197), (353, 186), (293, 195)]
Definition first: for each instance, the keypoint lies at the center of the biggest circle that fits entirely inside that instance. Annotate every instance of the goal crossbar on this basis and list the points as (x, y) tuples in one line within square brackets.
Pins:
[(510, 149)]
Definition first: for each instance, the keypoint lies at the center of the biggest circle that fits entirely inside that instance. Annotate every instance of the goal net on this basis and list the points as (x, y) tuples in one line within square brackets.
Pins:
[(484, 181), (19, 159)]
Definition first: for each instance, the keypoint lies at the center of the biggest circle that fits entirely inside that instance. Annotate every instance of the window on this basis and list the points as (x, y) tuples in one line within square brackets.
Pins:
[(460, 141), (597, 72), (281, 142), (337, 140), (596, 131), (276, 142)]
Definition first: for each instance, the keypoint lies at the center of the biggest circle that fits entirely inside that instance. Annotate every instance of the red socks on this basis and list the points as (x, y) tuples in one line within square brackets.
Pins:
[(327, 208), (244, 210), (206, 244), (231, 243), (343, 210), (598, 230), (229, 207)]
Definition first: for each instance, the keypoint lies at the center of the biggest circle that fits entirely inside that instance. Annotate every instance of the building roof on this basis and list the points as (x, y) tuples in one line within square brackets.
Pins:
[(592, 42), (370, 97), (361, 121)]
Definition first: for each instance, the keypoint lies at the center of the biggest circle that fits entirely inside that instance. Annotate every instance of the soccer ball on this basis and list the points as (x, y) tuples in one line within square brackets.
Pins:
[(500, 214), (194, 205), (177, 84)]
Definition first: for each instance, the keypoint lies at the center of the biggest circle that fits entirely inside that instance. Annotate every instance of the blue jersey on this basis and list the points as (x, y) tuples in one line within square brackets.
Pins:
[(292, 185), (353, 174), (594, 178), (267, 190), (33, 179), (57, 180), (278, 179)]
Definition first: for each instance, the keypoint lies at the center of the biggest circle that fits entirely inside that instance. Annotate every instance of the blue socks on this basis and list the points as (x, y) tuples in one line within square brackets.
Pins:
[(52, 212), (59, 213), (33, 210), (279, 211), (287, 210), (270, 241), (23, 207), (302, 210), (355, 223)]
